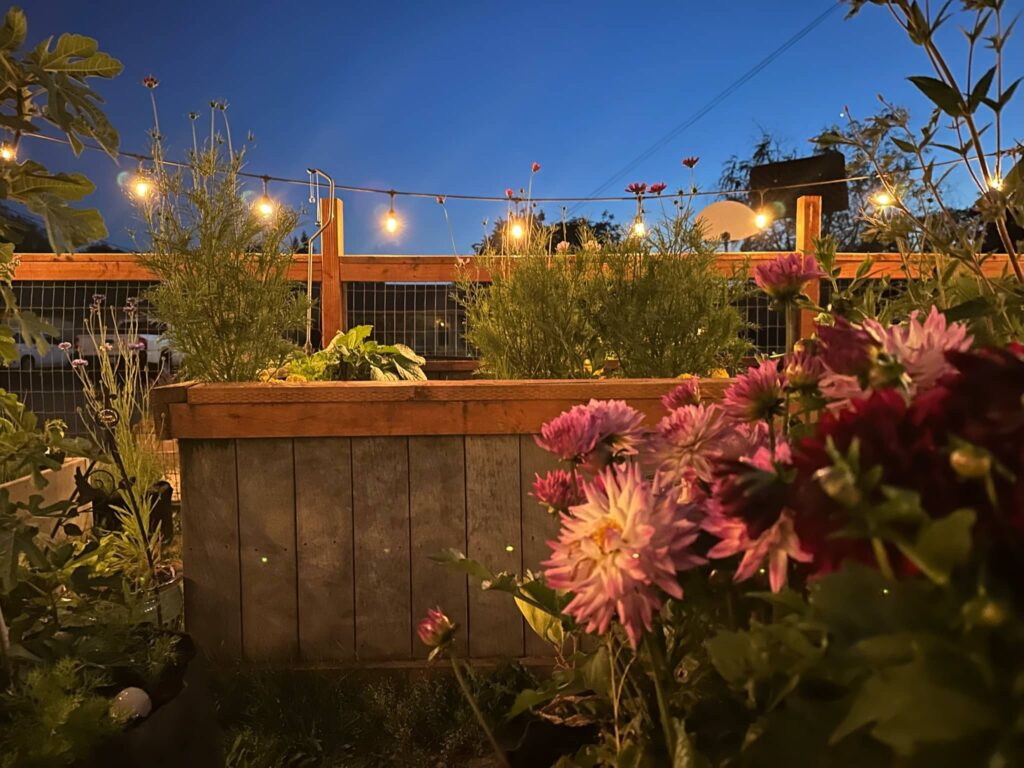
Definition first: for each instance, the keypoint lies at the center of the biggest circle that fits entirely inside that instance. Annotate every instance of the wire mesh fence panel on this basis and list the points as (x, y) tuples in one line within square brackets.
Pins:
[(424, 316), (768, 327)]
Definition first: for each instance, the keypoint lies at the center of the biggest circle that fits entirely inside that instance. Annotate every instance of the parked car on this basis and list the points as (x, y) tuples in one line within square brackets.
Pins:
[(155, 349), (30, 358)]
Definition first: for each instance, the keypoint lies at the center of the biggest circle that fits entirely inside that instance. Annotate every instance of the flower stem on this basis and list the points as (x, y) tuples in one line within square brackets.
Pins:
[(882, 557), (5, 650), (498, 751), (657, 656)]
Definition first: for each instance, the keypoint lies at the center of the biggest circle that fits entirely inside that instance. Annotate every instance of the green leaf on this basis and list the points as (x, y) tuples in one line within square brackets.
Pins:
[(905, 145), (908, 705), (980, 90), (945, 97), (548, 627), (979, 306), (14, 30), (941, 545)]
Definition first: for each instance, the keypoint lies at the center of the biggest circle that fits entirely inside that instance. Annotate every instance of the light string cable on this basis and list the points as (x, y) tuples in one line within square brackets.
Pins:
[(389, 191)]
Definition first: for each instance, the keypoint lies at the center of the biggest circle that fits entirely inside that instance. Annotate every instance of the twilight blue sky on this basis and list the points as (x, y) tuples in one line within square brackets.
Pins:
[(460, 96)]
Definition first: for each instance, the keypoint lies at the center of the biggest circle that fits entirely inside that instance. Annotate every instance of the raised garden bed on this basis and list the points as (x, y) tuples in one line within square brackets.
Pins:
[(309, 511)]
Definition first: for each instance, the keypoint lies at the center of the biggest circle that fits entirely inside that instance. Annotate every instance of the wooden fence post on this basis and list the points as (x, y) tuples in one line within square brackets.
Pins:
[(332, 293), (808, 229)]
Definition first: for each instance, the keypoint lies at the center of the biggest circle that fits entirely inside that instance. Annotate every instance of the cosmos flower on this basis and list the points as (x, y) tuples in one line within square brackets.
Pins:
[(619, 552), (657, 189), (535, 167), (557, 490), (757, 394), (691, 161), (785, 278), (509, 192), (637, 188), (687, 393), (150, 82), (64, 346)]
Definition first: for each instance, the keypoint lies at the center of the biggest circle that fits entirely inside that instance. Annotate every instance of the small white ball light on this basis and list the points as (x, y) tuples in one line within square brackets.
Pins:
[(882, 199), (130, 704), (516, 230), (391, 222), (762, 220), (7, 153), (639, 227)]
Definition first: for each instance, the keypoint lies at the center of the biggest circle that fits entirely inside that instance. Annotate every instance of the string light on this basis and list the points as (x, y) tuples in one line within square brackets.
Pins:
[(264, 206), (516, 230), (882, 199), (762, 220), (7, 152), (391, 220), (994, 182), (639, 227)]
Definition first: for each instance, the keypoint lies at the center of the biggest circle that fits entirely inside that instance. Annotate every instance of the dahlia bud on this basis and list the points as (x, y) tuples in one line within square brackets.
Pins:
[(971, 462), (838, 484), (436, 631)]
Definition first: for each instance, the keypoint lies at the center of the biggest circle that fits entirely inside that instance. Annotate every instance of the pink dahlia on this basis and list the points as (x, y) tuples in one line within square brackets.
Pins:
[(777, 544), (921, 347), (687, 393), (571, 436), (757, 394), (785, 278), (689, 439), (619, 425), (803, 369), (619, 552), (558, 490)]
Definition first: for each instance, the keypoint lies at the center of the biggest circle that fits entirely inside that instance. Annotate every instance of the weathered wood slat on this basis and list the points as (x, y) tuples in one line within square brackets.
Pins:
[(494, 536), (209, 533), (437, 508), (323, 520), (539, 525), (266, 514), (115, 266), (380, 498)]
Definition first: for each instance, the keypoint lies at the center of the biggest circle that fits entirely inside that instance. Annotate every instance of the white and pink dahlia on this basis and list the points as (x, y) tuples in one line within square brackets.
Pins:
[(620, 551), (921, 347), (777, 544), (690, 439)]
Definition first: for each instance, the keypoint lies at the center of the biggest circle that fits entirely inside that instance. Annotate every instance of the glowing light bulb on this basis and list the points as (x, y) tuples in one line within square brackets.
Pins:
[(7, 153), (141, 188), (391, 223), (639, 227), (517, 230), (762, 220), (994, 182), (264, 207), (883, 199)]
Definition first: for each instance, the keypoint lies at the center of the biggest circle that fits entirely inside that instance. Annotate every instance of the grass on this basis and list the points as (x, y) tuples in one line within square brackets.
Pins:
[(309, 719)]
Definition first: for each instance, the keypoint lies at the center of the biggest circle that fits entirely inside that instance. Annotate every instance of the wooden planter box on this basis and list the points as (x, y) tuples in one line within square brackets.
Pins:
[(60, 485), (309, 511)]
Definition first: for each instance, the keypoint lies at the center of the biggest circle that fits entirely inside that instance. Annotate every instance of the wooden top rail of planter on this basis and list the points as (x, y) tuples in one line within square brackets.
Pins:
[(357, 268), (368, 408)]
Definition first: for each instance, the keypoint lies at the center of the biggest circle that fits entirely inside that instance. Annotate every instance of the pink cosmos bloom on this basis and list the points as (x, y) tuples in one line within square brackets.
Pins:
[(637, 188), (691, 161), (657, 189), (535, 167), (562, 247), (785, 278), (619, 552), (689, 439), (756, 394), (509, 193), (921, 347), (150, 82), (64, 346), (558, 490), (436, 629), (777, 544), (687, 393)]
